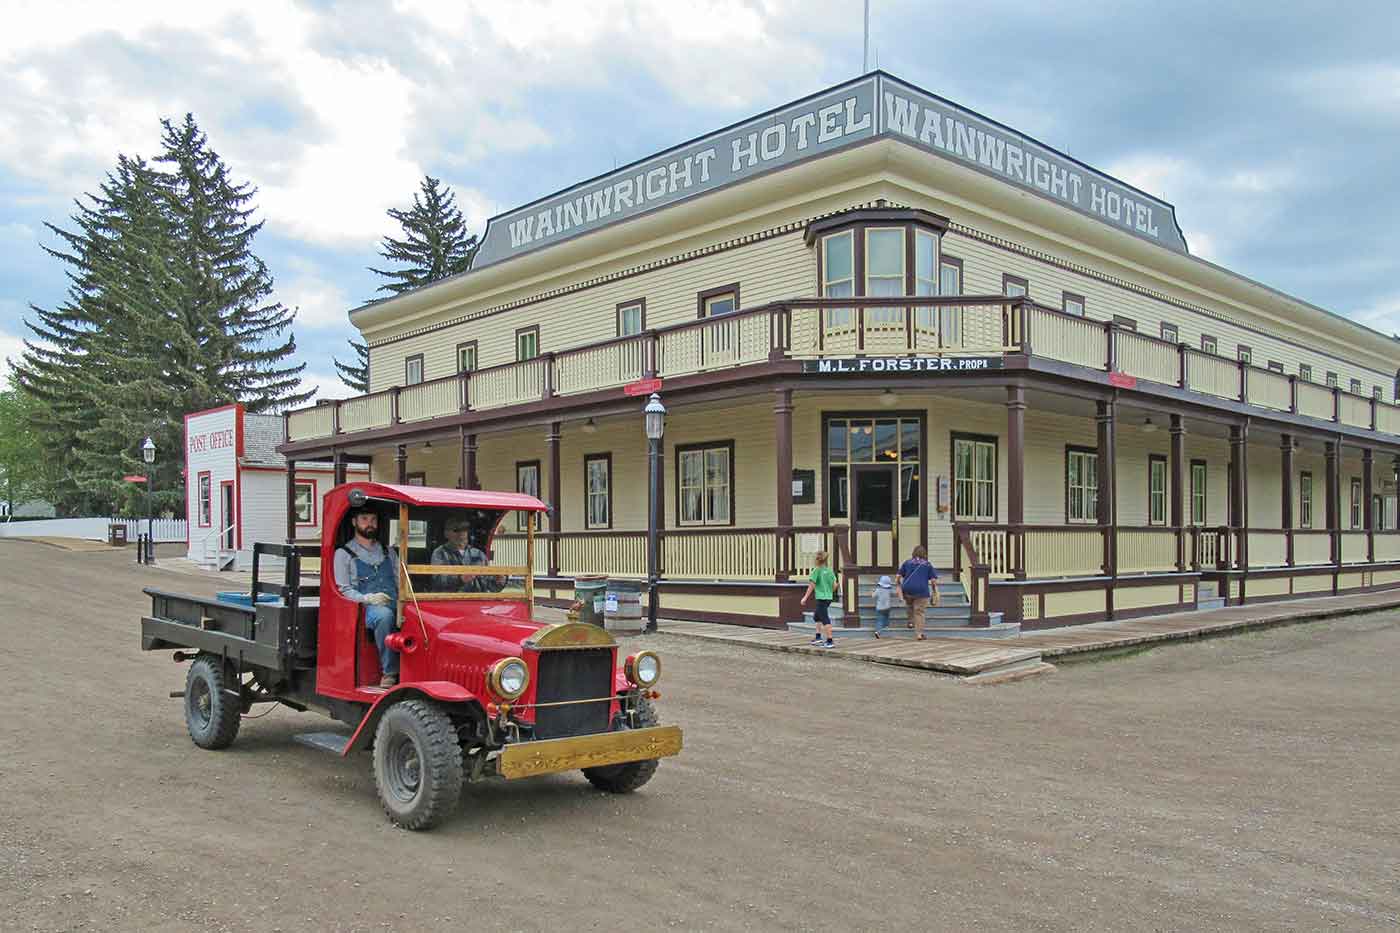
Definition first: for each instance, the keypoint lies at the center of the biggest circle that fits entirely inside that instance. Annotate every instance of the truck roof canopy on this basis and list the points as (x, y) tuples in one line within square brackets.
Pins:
[(462, 498)]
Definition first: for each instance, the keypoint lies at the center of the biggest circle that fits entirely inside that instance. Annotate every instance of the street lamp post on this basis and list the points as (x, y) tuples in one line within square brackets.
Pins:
[(655, 428), (148, 453)]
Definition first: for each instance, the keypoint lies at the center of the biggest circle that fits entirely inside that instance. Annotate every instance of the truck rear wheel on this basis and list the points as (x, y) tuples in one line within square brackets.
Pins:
[(625, 778), (417, 764), (211, 715)]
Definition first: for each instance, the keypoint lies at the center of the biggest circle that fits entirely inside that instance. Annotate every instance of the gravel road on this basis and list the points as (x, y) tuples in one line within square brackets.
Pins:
[(1242, 783)]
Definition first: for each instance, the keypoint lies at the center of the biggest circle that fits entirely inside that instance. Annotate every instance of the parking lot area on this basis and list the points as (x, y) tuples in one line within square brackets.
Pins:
[(1247, 782)]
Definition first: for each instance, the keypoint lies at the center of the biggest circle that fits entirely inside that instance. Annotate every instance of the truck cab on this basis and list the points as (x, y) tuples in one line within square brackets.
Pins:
[(484, 688)]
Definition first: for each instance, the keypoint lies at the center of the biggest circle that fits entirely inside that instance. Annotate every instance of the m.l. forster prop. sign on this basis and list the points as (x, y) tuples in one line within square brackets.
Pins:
[(877, 365), (876, 106)]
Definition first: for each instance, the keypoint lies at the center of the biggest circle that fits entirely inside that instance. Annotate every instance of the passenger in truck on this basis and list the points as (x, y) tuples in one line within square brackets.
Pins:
[(458, 551)]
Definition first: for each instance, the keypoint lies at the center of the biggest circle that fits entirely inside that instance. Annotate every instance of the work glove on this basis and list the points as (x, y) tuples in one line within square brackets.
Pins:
[(378, 599)]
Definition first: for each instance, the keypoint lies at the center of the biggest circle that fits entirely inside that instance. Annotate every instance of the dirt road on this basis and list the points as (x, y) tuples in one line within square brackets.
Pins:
[(1242, 783)]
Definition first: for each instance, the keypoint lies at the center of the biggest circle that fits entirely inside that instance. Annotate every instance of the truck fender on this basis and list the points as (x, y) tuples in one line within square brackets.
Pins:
[(443, 691)]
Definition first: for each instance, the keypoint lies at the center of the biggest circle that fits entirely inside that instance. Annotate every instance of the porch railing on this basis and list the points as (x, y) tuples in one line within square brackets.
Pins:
[(1354, 546), (971, 572), (826, 327), (1387, 545), (1146, 550), (1312, 546)]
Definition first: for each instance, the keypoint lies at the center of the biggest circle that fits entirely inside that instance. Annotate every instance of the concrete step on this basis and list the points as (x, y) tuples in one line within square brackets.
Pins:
[(1009, 673), (1215, 602), (998, 629)]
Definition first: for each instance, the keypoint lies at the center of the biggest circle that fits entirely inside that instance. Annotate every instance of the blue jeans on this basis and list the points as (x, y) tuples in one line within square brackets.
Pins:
[(380, 621), (882, 619)]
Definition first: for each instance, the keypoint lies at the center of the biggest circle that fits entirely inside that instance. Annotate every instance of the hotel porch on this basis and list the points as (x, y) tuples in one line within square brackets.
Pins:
[(1016, 372)]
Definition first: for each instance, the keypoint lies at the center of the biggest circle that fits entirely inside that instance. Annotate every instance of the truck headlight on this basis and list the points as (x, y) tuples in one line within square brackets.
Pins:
[(643, 668), (509, 677)]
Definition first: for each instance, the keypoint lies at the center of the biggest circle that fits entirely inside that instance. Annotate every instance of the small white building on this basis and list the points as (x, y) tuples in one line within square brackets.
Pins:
[(236, 486)]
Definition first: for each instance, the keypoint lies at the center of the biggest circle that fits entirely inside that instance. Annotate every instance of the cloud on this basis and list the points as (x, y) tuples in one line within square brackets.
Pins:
[(319, 302), (11, 349), (326, 387)]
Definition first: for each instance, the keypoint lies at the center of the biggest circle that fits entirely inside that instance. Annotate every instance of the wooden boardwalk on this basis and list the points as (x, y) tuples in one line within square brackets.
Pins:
[(1005, 659)]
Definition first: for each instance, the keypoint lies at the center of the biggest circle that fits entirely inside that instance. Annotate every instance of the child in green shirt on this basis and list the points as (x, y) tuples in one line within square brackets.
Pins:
[(822, 584)]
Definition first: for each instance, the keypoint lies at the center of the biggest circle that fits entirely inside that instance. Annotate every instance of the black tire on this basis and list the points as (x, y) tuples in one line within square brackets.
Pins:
[(211, 715), (417, 764), (625, 778)]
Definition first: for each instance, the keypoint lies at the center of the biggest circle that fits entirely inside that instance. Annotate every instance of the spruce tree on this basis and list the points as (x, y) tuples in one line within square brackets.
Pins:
[(435, 241), (355, 374), (168, 311)]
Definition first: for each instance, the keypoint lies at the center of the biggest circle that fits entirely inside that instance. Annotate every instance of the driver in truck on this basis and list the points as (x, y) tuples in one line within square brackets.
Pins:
[(459, 551), (365, 573)]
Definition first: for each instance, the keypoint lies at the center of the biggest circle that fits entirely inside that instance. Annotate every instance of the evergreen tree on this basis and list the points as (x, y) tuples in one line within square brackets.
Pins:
[(168, 311), (435, 243), (355, 374)]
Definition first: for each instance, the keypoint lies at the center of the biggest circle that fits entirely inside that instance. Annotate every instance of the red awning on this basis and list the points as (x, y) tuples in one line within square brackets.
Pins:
[(461, 498)]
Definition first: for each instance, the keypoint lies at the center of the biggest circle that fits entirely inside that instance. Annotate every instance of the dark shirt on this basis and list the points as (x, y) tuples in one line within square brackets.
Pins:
[(446, 554), (915, 575)]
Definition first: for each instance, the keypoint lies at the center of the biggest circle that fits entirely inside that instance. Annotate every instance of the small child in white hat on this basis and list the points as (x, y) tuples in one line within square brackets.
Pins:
[(883, 592)]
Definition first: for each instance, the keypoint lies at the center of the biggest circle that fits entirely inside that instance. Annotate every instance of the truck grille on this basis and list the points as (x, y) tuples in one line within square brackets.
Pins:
[(573, 674)]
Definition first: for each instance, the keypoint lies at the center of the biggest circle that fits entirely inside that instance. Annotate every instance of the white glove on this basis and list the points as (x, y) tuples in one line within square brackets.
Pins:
[(378, 599)]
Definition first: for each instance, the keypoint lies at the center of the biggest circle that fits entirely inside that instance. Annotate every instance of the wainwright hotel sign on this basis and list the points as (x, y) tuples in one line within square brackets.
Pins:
[(873, 107)]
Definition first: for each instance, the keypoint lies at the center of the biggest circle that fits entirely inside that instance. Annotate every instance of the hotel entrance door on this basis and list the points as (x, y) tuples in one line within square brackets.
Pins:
[(875, 514)]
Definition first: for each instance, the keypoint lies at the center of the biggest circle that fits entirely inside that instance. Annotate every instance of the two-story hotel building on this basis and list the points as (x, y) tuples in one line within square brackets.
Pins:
[(877, 320)]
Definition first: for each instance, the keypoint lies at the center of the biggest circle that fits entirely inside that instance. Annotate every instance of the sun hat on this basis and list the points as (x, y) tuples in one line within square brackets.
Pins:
[(885, 583)]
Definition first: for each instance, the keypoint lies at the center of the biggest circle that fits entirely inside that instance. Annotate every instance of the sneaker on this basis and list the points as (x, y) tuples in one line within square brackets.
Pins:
[(389, 680), (829, 644), (816, 642), (877, 633)]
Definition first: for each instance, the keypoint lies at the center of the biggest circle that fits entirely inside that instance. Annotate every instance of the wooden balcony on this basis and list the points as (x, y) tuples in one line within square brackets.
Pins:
[(817, 328)]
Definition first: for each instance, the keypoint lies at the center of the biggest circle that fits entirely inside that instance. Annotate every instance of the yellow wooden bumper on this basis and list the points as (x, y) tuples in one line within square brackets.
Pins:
[(549, 756)]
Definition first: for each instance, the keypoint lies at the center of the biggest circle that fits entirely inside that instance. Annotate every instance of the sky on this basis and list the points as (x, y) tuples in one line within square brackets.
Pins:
[(1273, 128)]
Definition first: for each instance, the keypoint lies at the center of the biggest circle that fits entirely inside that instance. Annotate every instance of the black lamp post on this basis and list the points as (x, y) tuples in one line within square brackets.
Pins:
[(655, 428), (148, 453)]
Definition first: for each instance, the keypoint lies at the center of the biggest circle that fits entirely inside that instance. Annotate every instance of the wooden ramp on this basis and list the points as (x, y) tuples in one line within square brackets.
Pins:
[(973, 660)]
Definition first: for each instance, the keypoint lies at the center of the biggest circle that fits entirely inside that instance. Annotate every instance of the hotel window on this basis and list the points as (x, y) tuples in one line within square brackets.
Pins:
[(527, 343), (974, 478), (1305, 372), (854, 441), (1331, 380), (466, 356), (884, 272), (1208, 344), (1126, 323), (1356, 503), (1275, 366), (206, 500), (1244, 354), (1305, 499), (926, 263), (1014, 286), (1156, 489), (597, 473), (1081, 485), (838, 276), (631, 317), (1198, 492), (1355, 387), (704, 484), (304, 501), (413, 370), (527, 481), (950, 282), (718, 301), (1072, 304), (1170, 333)]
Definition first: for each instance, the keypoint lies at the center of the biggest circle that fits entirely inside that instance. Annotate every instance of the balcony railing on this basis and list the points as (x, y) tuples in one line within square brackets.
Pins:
[(812, 328)]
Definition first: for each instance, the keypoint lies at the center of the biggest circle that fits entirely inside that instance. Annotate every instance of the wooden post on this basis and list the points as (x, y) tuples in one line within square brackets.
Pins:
[(782, 425), (401, 463), (394, 405), (335, 417), (473, 481), (530, 559), (1239, 497), (462, 468), (1333, 488), (1286, 504), (549, 380), (1177, 482), (1016, 476), (338, 462), (551, 441), (1107, 510), (1368, 520), (291, 500)]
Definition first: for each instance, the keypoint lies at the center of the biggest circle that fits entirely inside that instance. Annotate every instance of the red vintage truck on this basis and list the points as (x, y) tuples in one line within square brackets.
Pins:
[(484, 690)]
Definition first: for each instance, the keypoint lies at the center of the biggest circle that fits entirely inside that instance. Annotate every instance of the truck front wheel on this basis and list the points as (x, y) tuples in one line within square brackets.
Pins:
[(623, 779), (417, 764), (211, 715)]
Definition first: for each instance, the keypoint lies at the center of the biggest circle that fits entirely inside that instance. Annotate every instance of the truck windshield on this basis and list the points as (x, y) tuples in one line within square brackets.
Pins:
[(455, 553)]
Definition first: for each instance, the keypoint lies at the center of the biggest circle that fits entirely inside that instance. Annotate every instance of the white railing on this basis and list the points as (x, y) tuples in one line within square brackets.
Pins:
[(1312, 547), (718, 343), (1354, 410), (1146, 550), (1067, 338), (166, 530), (1353, 547), (993, 546), (430, 399), (509, 385), (1267, 389), (1388, 545), (311, 422), (1211, 374), (604, 367), (611, 553), (365, 412), (1063, 552), (1268, 548), (1315, 401), (1145, 358)]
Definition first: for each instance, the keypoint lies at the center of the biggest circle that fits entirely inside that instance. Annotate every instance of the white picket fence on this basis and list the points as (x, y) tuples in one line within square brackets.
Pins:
[(165, 529)]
